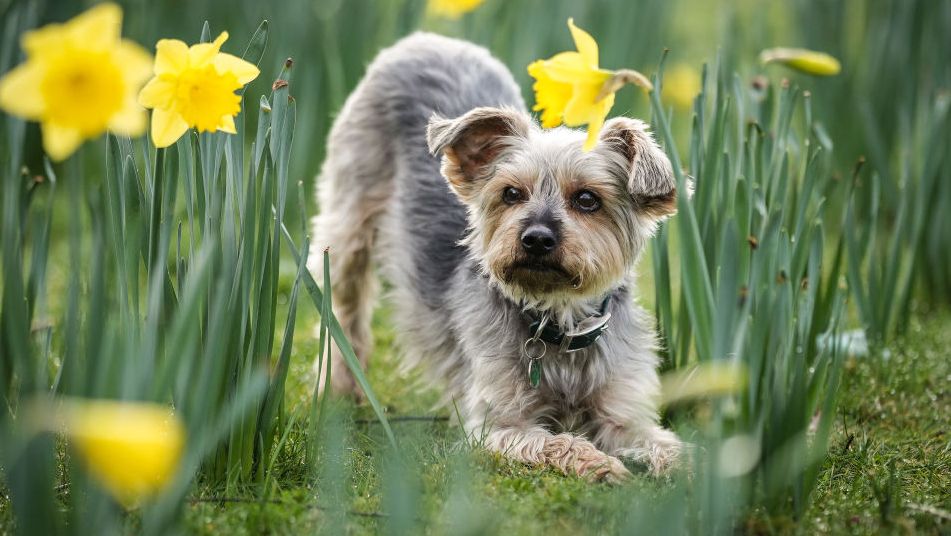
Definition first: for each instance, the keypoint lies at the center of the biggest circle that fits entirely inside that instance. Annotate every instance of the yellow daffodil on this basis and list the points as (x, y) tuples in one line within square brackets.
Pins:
[(132, 448), (194, 87), (807, 61), (571, 88), (452, 9), (80, 79), (713, 378), (681, 86)]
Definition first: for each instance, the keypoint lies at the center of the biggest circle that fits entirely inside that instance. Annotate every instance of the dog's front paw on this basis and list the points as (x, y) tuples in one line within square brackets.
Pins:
[(665, 457), (662, 452), (610, 470), (574, 455)]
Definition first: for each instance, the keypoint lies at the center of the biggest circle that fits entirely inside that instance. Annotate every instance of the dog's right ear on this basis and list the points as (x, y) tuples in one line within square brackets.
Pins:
[(472, 144)]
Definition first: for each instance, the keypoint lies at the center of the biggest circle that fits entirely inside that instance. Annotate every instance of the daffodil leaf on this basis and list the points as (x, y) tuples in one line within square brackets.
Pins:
[(275, 393), (255, 50), (260, 138), (279, 104), (336, 332)]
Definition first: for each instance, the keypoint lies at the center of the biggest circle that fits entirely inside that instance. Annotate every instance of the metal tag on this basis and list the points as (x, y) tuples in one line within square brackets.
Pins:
[(534, 372), (534, 349)]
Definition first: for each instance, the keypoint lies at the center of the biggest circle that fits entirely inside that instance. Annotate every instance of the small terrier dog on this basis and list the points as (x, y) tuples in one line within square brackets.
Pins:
[(510, 252)]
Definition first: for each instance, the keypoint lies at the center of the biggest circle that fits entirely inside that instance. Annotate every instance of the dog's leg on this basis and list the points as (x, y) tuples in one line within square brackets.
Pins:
[(658, 448), (570, 454), (627, 426), (354, 187)]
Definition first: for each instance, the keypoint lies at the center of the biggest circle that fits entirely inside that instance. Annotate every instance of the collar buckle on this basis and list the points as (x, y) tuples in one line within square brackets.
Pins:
[(590, 328)]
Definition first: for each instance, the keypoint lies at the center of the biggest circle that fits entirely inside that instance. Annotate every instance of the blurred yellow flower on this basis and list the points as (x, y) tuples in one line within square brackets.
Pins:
[(807, 61), (452, 9), (571, 88), (194, 87), (713, 378), (80, 79), (132, 448), (681, 86)]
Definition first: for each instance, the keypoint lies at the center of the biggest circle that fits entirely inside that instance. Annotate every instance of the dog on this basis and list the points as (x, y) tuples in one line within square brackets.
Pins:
[(510, 253)]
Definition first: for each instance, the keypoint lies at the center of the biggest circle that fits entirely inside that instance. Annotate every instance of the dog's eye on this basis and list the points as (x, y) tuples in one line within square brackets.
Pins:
[(586, 201), (511, 195)]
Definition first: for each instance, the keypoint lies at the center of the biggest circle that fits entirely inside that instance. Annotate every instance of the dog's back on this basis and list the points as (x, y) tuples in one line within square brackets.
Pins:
[(381, 196)]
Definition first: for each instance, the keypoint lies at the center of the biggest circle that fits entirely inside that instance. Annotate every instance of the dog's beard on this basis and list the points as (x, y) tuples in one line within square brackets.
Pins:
[(542, 284), (540, 277), (569, 291)]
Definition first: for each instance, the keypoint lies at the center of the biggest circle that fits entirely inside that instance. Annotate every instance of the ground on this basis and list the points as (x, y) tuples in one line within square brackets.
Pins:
[(888, 469), (890, 458)]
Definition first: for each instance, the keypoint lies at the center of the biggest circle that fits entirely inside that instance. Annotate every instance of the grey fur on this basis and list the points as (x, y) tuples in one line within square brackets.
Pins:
[(383, 201)]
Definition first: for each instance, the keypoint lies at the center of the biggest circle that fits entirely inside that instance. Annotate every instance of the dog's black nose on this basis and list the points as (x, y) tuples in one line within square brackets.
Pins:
[(539, 240)]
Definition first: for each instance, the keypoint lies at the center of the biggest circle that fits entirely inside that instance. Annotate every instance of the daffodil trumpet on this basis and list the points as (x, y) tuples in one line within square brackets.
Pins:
[(619, 79)]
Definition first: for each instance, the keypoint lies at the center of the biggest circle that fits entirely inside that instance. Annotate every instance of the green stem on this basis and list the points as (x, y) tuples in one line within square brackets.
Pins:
[(157, 194)]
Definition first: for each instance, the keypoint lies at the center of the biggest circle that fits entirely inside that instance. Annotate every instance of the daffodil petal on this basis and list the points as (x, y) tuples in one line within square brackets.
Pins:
[(227, 124), (136, 62), (19, 91), (133, 449), (171, 56), (594, 131), (130, 120), (582, 107), (807, 61), (159, 92), (98, 27), (244, 71), (451, 9), (43, 41), (201, 54), (567, 67), (586, 45), (60, 142), (167, 127)]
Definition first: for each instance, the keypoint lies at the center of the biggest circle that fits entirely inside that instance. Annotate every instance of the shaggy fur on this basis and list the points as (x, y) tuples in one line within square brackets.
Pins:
[(418, 163)]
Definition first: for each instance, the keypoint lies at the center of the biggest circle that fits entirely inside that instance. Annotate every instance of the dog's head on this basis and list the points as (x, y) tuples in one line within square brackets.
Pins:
[(548, 222)]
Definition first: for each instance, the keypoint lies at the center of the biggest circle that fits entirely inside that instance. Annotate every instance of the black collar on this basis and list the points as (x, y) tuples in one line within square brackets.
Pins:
[(582, 337)]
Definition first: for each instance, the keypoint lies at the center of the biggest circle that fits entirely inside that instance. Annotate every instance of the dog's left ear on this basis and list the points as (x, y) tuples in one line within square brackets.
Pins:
[(472, 144), (650, 177)]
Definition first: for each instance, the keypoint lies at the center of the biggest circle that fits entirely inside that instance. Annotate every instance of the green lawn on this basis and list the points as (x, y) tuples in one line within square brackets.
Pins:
[(895, 410)]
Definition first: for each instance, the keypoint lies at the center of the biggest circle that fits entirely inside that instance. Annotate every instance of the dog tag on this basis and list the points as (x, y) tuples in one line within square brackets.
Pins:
[(534, 349), (534, 372)]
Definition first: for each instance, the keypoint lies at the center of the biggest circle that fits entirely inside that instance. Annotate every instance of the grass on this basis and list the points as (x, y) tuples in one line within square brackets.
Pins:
[(894, 416), (894, 410)]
